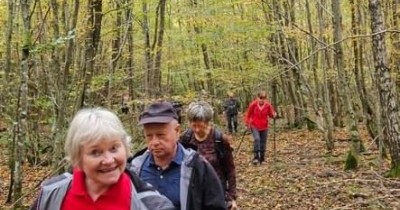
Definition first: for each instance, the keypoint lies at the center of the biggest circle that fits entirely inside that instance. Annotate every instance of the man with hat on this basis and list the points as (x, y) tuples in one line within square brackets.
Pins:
[(182, 175)]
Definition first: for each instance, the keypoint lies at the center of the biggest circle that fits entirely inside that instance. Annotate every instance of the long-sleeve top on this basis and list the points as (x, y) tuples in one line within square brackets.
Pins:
[(225, 168), (257, 115)]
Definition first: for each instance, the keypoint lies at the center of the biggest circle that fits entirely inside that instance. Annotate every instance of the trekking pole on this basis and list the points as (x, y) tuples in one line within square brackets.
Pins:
[(274, 89), (274, 138), (240, 143)]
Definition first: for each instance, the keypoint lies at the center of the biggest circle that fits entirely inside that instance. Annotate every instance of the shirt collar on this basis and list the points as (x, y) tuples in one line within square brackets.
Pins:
[(78, 186), (78, 182), (179, 155)]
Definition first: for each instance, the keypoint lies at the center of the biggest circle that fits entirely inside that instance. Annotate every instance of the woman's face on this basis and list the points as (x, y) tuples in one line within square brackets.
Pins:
[(103, 162), (261, 99), (200, 128)]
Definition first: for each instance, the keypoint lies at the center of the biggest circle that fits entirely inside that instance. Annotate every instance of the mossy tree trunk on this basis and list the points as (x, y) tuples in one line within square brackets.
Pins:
[(22, 120), (387, 89), (343, 81)]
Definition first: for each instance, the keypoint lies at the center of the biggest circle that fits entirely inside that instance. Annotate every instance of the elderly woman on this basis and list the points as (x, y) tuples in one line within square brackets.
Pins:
[(257, 121), (97, 147), (213, 145)]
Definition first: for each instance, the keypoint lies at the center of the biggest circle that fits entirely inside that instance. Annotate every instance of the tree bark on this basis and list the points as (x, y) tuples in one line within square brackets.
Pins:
[(129, 62), (326, 94), (159, 41), (386, 86), (94, 17), (343, 81), (153, 52), (197, 27), (23, 105), (368, 112), (147, 52), (313, 59), (116, 51), (6, 95)]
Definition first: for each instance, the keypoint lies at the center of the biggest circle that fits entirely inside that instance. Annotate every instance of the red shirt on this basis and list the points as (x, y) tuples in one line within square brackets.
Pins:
[(257, 116), (117, 197)]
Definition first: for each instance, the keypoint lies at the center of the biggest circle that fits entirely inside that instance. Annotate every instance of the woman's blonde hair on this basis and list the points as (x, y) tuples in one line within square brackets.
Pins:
[(91, 125)]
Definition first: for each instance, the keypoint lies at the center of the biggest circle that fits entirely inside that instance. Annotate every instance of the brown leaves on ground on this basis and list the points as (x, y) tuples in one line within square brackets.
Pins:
[(298, 175), (301, 175)]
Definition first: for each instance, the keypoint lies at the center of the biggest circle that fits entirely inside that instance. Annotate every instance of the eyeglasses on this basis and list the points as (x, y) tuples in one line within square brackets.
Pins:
[(261, 97)]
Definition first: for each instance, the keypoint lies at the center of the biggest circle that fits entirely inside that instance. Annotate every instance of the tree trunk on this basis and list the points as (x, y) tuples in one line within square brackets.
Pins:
[(314, 58), (8, 41), (147, 52), (359, 75), (288, 72), (343, 90), (395, 41), (293, 58), (94, 17), (153, 53), (129, 63), (6, 95), (386, 86), (159, 40), (326, 93), (205, 52), (23, 105), (117, 44)]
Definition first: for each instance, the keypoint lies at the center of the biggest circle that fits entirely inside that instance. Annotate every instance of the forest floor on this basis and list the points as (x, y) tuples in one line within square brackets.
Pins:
[(298, 175)]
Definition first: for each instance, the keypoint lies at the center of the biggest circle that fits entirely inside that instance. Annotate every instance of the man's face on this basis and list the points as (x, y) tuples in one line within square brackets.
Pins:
[(161, 139)]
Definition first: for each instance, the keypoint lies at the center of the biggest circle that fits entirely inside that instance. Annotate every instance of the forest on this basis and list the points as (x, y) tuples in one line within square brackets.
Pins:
[(331, 69)]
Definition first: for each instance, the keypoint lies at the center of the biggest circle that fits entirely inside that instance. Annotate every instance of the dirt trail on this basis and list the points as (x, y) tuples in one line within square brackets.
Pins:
[(302, 176)]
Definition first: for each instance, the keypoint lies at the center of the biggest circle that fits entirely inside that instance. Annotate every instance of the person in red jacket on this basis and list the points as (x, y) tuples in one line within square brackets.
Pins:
[(256, 120)]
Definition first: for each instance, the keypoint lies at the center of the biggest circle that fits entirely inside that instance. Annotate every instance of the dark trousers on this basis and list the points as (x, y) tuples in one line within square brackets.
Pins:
[(231, 119), (259, 144)]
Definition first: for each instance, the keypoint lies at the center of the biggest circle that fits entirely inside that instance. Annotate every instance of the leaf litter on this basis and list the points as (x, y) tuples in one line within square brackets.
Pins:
[(300, 174)]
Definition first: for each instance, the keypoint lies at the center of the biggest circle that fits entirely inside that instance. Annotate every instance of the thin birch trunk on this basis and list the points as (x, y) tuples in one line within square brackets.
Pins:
[(23, 105), (325, 65), (387, 89), (8, 92)]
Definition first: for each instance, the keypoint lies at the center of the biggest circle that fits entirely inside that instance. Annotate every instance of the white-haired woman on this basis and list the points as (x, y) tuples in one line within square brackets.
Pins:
[(213, 145), (97, 147)]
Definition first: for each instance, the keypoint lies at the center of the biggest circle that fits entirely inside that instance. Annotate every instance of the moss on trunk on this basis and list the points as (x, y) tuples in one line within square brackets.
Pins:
[(351, 161), (394, 172)]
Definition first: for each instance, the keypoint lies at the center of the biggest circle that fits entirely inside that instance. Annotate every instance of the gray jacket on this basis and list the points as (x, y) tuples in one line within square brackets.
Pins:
[(196, 174), (144, 197)]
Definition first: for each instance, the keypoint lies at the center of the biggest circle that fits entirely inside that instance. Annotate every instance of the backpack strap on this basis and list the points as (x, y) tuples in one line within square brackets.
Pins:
[(220, 149), (186, 136), (219, 145), (185, 139)]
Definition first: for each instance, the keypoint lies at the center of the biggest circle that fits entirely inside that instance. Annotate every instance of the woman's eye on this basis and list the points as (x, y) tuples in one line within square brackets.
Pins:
[(115, 147), (95, 153)]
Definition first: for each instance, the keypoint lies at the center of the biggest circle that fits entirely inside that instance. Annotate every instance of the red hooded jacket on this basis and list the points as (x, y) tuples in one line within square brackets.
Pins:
[(257, 116)]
